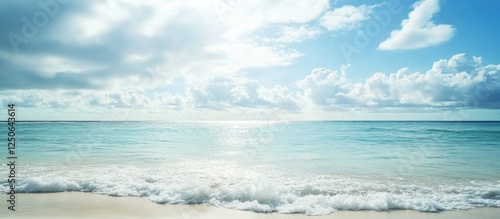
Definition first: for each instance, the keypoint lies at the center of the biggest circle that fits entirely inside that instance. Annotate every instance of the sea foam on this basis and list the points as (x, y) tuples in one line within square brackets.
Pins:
[(262, 190)]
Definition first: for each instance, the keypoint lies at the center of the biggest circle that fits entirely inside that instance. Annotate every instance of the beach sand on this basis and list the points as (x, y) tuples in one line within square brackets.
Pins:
[(87, 205)]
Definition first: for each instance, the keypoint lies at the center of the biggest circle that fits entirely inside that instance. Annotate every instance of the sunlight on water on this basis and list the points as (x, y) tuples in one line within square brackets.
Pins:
[(288, 167)]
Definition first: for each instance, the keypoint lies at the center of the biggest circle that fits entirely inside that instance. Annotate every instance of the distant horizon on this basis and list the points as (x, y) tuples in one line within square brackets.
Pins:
[(453, 121)]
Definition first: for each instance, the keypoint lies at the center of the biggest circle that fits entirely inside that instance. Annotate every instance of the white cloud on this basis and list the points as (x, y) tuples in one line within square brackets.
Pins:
[(50, 65), (290, 34), (240, 55), (186, 38), (166, 100), (230, 93), (418, 31), (325, 87), (247, 16), (346, 17), (89, 26), (82, 100), (458, 82)]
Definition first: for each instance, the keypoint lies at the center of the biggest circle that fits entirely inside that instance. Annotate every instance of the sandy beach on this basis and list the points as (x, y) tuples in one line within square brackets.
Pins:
[(87, 205)]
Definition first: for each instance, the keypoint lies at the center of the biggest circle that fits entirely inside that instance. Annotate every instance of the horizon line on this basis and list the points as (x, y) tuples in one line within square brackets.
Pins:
[(254, 120)]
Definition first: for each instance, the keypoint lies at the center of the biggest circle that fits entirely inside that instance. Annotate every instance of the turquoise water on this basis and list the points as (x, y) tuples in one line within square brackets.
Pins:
[(288, 167)]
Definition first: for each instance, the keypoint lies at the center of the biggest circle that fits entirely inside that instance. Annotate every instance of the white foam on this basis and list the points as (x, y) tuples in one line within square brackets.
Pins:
[(261, 189)]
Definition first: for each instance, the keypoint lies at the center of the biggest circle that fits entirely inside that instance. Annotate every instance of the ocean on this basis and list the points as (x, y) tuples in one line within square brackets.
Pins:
[(313, 168)]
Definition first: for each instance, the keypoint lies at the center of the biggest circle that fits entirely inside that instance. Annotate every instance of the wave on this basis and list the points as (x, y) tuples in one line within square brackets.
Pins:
[(263, 196), (471, 131), (311, 195)]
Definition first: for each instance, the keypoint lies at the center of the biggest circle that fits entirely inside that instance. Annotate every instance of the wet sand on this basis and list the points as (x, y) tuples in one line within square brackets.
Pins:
[(87, 205)]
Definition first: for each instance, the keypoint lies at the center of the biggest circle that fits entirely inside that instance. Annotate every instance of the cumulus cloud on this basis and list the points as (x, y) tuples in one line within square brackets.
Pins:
[(418, 31), (219, 94), (458, 82), (345, 18), (325, 86), (77, 99), (228, 93)]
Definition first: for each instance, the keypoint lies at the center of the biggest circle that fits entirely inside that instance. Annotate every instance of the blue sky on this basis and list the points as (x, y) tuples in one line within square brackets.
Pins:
[(238, 59)]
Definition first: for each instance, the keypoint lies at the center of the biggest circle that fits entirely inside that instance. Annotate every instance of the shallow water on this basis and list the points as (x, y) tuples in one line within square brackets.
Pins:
[(288, 167)]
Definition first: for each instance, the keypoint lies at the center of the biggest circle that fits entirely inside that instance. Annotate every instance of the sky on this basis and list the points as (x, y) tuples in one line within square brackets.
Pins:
[(250, 59)]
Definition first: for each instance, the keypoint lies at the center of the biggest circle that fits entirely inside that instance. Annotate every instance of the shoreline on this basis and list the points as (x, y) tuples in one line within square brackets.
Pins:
[(90, 205)]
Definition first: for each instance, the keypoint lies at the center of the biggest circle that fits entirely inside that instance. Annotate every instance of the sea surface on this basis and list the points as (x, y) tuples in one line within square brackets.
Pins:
[(312, 168)]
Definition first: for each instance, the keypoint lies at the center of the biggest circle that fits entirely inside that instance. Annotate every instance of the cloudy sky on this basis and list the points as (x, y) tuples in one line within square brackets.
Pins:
[(250, 59)]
